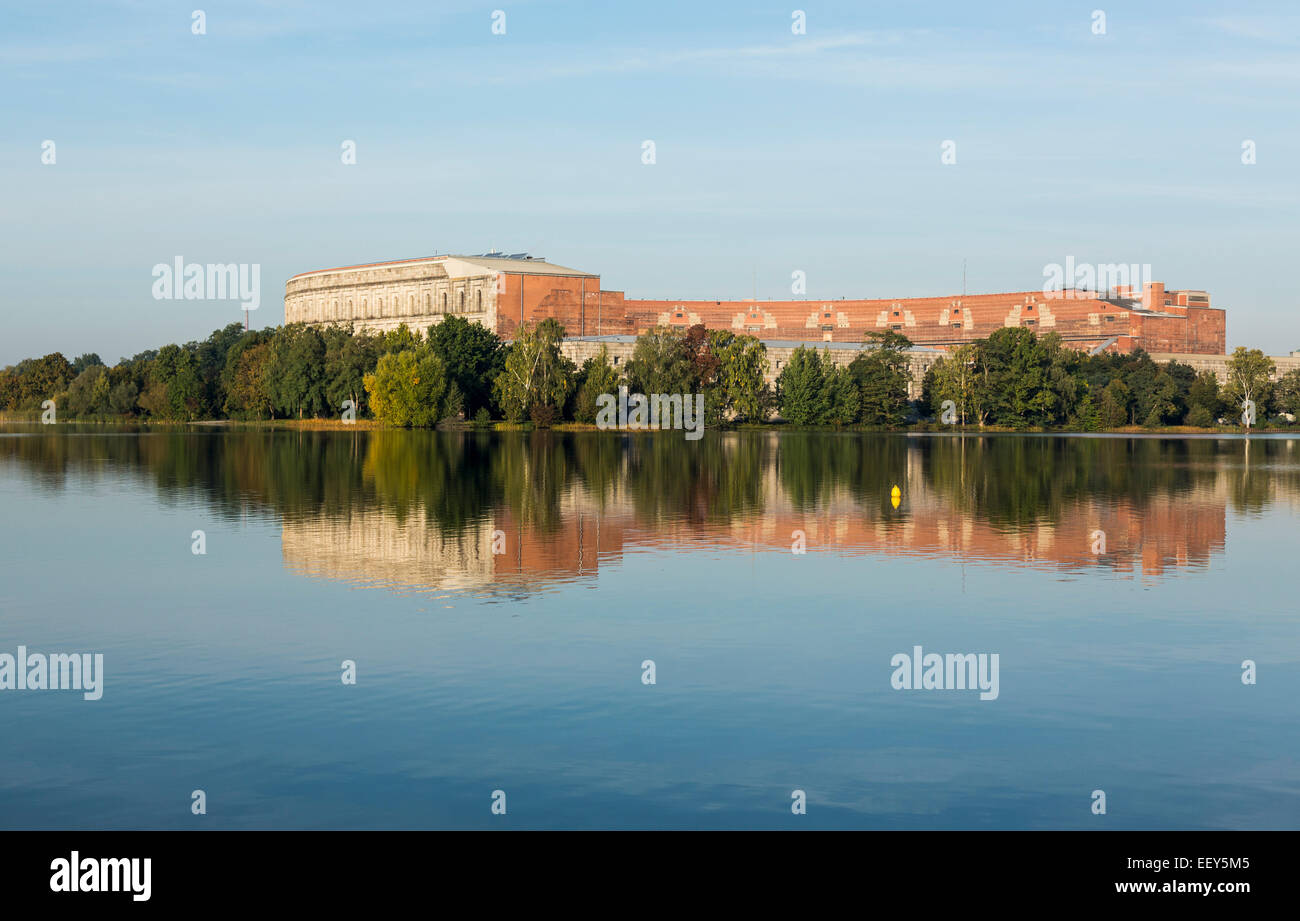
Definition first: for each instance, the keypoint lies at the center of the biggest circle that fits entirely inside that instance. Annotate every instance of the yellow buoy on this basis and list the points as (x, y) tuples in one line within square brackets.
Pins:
[(895, 496)]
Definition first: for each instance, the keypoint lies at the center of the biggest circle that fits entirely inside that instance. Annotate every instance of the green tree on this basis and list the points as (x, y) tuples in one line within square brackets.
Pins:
[(398, 340), (41, 379), (598, 377), (843, 399), (802, 388), (1286, 393), (536, 379), (175, 389), (882, 374), (1204, 393), (89, 391), (349, 357), (660, 363), (10, 388), (738, 386), (1016, 366), (472, 355), (409, 389), (1114, 408), (296, 375), (248, 394), (211, 356), (82, 362), (953, 378), (1199, 416), (1249, 371), (1160, 400)]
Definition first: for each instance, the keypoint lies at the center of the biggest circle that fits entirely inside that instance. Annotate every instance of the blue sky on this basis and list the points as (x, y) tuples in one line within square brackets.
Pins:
[(775, 152)]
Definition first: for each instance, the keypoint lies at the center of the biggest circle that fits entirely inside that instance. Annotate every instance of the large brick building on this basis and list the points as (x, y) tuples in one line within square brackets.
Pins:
[(502, 291)]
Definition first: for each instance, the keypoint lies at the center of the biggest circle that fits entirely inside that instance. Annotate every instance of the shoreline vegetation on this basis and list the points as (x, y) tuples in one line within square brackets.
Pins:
[(926, 429), (460, 375)]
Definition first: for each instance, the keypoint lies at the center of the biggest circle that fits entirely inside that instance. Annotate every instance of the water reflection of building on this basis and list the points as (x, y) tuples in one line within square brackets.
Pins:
[(374, 546), (377, 547)]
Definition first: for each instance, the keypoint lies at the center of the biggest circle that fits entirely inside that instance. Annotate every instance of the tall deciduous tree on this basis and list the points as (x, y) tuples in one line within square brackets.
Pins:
[(738, 386), (472, 355), (954, 379), (660, 363), (536, 379), (882, 374), (1248, 380), (410, 389), (297, 371), (802, 388), (598, 377)]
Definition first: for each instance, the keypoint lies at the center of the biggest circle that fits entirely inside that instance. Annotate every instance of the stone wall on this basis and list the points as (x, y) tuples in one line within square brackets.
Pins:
[(380, 298), (778, 356), (1219, 363)]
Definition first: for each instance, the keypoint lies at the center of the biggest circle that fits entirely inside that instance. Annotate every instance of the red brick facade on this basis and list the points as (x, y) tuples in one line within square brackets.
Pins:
[(502, 292), (1178, 321)]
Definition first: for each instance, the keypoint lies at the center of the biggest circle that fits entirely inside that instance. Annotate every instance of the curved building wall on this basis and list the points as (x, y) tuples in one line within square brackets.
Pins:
[(381, 297)]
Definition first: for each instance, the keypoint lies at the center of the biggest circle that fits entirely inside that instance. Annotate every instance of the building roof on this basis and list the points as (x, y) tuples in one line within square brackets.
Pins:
[(459, 266)]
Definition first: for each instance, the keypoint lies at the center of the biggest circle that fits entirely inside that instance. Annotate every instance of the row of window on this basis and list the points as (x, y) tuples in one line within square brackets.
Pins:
[(384, 307)]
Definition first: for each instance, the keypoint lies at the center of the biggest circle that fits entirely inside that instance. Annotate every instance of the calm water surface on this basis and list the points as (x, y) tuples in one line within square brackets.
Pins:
[(521, 670)]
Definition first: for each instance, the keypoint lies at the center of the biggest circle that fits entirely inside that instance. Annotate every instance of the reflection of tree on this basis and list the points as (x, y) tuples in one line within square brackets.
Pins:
[(1018, 481), (457, 479), (529, 473), (712, 480), (1252, 481), (446, 474), (813, 467)]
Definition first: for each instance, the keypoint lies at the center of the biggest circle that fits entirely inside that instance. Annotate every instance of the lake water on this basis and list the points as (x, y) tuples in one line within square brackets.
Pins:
[(1120, 666)]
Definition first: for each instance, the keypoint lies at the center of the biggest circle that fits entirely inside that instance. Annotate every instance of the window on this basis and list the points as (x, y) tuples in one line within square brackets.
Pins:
[(478, 299), (411, 304), (895, 313), (462, 302), (1030, 307), (896, 326), (444, 302), (426, 301), (615, 359), (1029, 322), (956, 310)]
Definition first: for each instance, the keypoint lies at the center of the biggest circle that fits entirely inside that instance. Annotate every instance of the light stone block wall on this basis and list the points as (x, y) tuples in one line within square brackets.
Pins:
[(381, 298), (1219, 363), (579, 350)]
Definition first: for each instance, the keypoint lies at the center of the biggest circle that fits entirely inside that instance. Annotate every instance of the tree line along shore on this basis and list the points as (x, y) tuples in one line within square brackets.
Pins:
[(459, 371)]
